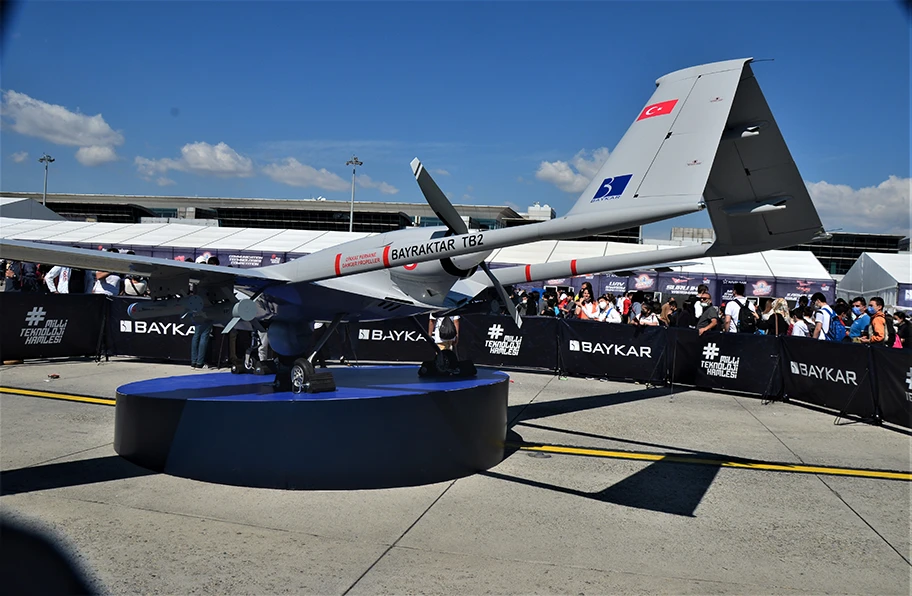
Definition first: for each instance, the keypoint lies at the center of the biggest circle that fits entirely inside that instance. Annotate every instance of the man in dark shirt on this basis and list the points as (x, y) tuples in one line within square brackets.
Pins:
[(709, 318)]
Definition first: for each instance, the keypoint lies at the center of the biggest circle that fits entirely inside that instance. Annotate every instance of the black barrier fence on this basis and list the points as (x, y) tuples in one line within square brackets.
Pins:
[(493, 340), (50, 325), (627, 352), (854, 379), (833, 375)]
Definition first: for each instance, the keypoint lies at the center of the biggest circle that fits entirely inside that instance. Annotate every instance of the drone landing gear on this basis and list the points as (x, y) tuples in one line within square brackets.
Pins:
[(301, 376)]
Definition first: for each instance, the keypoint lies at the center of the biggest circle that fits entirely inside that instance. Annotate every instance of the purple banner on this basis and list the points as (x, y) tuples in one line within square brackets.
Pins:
[(643, 281), (761, 287), (792, 289), (613, 284), (684, 284), (904, 296)]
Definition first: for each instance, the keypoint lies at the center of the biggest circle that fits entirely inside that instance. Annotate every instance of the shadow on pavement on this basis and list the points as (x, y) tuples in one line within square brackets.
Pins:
[(71, 473)]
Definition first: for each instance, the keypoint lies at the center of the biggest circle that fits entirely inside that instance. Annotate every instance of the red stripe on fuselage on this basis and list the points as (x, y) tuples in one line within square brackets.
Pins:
[(386, 256), (338, 263), (528, 272), (573, 267)]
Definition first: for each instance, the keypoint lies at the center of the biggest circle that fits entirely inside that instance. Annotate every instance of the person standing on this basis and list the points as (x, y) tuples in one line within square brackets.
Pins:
[(58, 279), (734, 306), (861, 321), (709, 315), (444, 337), (878, 330), (903, 329), (822, 317)]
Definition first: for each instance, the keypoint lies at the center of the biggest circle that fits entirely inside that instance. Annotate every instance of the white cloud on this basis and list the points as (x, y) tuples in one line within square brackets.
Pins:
[(440, 172), (95, 155), (293, 173), (19, 156), (162, 181), (199, 158), (884, 208), (367, 182), (54, 123), (575, 175)]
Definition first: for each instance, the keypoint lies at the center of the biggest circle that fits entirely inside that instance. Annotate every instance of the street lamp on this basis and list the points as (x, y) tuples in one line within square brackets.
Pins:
[(353, 162), (45, 159)]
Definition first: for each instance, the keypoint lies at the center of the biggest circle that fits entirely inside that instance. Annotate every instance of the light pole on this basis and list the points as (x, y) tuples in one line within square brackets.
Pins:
[(45, 159), (353, 162)]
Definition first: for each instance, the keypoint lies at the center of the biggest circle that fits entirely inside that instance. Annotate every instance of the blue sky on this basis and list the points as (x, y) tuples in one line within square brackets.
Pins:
[(245, 99)]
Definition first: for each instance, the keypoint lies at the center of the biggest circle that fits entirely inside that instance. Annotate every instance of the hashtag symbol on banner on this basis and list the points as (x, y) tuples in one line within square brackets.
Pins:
[(710, 351), (495, 331), (35, 316)]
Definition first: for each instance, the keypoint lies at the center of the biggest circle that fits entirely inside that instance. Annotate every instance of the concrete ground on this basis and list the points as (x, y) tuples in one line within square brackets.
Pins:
[(537, 523)]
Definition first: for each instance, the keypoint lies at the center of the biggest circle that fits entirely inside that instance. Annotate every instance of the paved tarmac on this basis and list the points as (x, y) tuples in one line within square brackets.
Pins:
[(580, 515)]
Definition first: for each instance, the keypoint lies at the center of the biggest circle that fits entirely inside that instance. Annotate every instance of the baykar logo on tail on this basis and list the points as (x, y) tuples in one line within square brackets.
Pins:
[(612, 188)]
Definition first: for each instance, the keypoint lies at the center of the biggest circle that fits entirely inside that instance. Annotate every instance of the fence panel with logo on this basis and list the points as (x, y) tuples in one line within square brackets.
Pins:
[(739, 362), (893, 376), (394, 340), (612, 350), (50, 325), (830, 374), (495, 341), (167, 338)]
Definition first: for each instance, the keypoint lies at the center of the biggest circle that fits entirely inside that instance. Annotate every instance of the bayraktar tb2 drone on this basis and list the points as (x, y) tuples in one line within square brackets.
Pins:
[(706, 139)]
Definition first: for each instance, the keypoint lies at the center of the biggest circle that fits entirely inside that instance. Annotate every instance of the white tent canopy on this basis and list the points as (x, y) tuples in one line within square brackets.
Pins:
[(879, 274)]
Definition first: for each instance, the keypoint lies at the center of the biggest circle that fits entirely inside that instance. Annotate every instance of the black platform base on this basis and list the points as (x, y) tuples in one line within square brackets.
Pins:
[(382, 427)]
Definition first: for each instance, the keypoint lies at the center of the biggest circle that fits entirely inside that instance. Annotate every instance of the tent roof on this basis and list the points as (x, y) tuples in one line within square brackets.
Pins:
[(899, 266)]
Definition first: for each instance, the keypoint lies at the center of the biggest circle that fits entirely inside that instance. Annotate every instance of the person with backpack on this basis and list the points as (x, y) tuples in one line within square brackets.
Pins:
[(877, 334), (827, 326), (740, 314), (445, 331)]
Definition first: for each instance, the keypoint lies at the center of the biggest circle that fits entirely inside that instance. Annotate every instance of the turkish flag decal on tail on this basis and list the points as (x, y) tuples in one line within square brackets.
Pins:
[(658, 109)]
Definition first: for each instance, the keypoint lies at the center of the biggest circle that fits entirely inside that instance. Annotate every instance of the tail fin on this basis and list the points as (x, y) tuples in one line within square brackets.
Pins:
[(668, 151), (755, 195)]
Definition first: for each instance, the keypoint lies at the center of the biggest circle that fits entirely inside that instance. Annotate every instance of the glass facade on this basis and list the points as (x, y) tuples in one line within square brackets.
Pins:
[(839, 252), (101, 212), (303, 219)]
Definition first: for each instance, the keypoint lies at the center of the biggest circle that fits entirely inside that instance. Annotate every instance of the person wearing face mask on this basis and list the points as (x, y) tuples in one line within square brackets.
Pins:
[(709, 316), (862, 320), (647, 316), (877, 332), (609, 313)]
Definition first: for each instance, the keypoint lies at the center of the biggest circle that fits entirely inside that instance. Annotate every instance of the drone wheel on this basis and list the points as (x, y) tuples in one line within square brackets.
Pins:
[(302, 371)]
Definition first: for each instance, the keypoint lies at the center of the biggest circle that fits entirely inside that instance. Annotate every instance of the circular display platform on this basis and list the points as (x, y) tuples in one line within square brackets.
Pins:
[(382, 427)]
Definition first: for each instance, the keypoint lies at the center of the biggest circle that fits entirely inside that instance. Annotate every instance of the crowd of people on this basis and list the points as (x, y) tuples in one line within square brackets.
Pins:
[(20, 276), (858, 321)]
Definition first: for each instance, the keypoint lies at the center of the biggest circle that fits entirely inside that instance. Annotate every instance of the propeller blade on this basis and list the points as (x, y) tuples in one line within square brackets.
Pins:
[(437, 200), (502, 293), (231, 324)]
